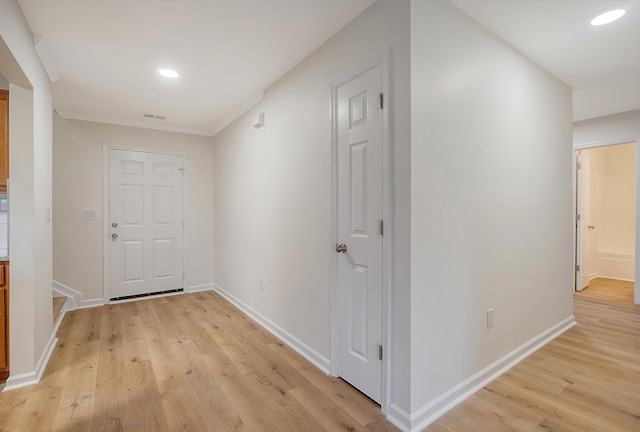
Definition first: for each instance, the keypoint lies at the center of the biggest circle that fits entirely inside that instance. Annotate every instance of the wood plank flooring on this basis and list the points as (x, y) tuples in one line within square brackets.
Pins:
[(58, 302), (195, 363), (183, 363), (586, 380)]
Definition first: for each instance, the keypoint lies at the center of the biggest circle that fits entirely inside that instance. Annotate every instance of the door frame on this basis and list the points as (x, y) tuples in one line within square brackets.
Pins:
[(578, 147), (106, 209), (383, 60)]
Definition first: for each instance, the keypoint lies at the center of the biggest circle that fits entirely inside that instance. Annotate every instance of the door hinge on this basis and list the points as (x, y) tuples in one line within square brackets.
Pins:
[(381, 100), (579, 165), (379, 352), (382, 228), (577, 217), (577, 267), (182, 171)]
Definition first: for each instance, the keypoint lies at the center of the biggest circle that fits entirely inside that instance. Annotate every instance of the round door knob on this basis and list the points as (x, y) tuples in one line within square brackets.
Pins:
[(114, 236), (591, 227), (341, 248)]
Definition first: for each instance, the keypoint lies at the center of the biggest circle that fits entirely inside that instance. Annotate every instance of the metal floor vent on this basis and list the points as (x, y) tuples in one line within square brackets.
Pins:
[(147, 294), (153, 116)]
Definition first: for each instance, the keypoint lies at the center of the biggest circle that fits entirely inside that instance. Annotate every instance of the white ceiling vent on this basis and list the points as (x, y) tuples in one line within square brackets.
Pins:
[(153, 116)]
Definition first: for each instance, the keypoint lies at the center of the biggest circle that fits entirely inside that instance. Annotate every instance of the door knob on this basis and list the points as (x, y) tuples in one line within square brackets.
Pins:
[(114, 236), (341, 247), (591, 227), (115, 225)]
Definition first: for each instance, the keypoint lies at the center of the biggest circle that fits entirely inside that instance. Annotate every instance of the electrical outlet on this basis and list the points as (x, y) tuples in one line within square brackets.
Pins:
[(261, 284), (490, 318)]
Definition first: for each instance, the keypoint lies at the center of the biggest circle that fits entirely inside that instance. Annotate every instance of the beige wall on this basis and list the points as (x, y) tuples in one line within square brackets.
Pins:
[(273, 190), (78, 179), (491, 203)]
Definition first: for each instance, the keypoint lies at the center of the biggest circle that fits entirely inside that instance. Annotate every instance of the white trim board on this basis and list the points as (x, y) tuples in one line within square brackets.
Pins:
[(76, 297), (317, 359), (450, 399)]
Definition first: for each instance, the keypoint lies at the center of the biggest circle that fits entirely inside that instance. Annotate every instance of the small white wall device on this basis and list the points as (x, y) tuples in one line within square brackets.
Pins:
[(258, 120)]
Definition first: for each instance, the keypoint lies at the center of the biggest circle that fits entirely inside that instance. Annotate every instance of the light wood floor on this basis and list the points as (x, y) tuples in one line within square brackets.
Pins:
[(588, 379), (194, 363), (184, 363), (58, 302)]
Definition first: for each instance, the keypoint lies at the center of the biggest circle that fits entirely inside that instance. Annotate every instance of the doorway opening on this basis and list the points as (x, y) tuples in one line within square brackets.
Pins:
[(606, 214)]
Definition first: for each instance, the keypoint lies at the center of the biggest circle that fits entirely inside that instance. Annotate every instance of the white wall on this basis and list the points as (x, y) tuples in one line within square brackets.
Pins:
[(4, 84), (272, 190), (30, 166), (78, 178), (491, 201)]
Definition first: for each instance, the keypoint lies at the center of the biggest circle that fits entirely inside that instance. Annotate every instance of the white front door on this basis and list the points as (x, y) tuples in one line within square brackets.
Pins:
[(360, 210), (146, 237), (583, 227)]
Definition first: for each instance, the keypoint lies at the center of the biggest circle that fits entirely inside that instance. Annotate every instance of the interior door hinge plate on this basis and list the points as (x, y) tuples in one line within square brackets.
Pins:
[(381, 100), (379, 352)]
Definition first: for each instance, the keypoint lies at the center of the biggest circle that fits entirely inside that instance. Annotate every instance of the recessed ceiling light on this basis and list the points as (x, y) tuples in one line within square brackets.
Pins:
[(168, 73), (607, 17)]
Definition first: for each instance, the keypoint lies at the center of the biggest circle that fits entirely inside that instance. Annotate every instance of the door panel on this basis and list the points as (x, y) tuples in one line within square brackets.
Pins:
[(360, 210), (146, 223)]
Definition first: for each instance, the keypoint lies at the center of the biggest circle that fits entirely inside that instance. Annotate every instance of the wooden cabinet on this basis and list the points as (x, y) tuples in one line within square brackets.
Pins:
[(4, 139), (4, 319)]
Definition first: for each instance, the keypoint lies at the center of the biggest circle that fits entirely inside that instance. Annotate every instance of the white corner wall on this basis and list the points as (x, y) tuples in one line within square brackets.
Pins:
[(491, 207), (78, 177), (273, 186), (31, 322)]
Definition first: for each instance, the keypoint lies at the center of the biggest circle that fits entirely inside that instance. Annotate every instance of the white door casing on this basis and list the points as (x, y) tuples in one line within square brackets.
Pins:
[(583, 223), (360, 212), (146, 223)]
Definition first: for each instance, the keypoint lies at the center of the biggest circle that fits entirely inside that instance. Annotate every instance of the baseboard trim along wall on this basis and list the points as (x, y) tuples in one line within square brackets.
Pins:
[(76, 297), (200, 288), (448, 400), (297, 345)]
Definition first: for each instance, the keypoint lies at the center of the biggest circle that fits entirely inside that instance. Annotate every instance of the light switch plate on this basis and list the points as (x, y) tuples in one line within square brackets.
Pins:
[(89, 214)]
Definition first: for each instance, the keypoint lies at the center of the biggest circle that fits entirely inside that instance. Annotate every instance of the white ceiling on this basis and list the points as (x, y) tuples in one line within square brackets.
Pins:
[(602, 64), (229, 51)]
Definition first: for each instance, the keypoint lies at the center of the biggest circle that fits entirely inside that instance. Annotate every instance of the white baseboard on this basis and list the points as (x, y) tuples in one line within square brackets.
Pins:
[(77, 301), (75, 296), (399, 418), (296, 344), (448, 400), (200, 288)]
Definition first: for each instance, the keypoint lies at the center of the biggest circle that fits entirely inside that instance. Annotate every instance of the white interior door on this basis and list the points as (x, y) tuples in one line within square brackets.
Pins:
[(583, 227), (146, 243), (360, 210)]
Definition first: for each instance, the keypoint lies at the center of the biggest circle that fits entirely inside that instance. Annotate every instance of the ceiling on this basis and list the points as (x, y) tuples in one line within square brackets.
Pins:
[(107, 53), (229, 51), (602, 64)]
